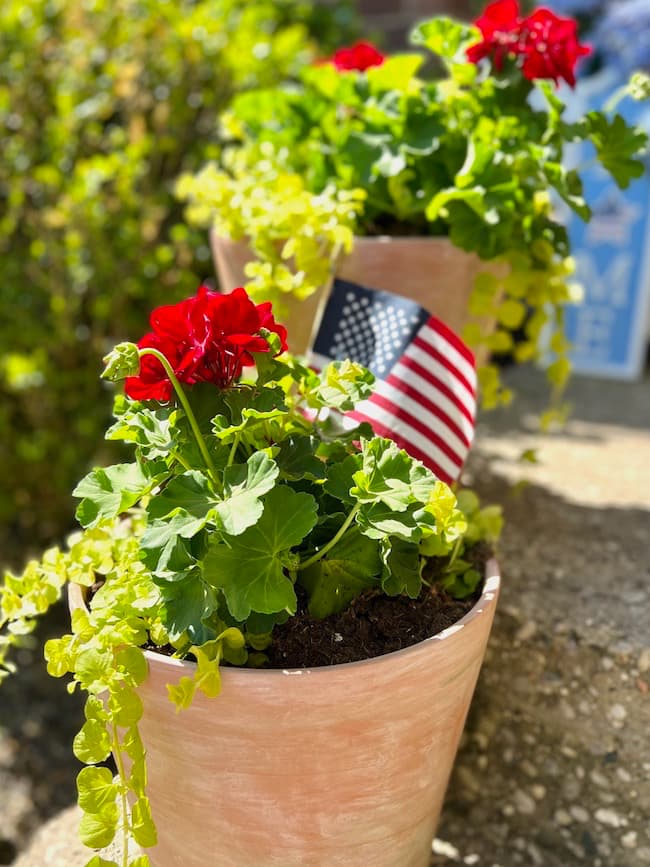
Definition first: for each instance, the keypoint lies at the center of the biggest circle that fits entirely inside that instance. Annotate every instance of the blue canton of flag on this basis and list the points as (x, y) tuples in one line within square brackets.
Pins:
[(425, 394)]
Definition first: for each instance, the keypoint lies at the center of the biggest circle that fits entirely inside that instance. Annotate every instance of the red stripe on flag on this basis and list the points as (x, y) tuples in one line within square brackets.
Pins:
[(441, 386), (442, 359), (399, 412), (428, 404), (451, 337)]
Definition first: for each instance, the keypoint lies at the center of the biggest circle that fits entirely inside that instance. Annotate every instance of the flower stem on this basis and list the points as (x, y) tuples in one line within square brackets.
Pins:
[(329, 545), (181, 460), (178, 388), (125, 805), (233, 450)]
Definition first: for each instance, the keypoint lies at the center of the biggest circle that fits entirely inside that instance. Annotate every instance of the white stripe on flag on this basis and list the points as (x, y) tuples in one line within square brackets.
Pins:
[(447, 349), (402, 429), (405, 374), (424, 359), (423, 415)]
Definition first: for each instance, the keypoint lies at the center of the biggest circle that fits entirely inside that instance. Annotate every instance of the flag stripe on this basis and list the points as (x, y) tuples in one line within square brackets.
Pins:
[(439, 327), (435, 352), (431, 406), (423, 365), (437, 399), (395, 405), (420, 448)]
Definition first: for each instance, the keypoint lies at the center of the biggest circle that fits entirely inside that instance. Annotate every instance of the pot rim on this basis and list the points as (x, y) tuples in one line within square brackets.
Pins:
[(360, 239), (486, 600)]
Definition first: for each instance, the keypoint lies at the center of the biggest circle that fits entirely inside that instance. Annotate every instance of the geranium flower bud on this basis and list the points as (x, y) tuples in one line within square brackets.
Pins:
[(122, 361)]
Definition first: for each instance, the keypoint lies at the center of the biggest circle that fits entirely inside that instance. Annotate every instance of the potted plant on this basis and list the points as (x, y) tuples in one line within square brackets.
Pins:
[(253, 541), (458, 175)]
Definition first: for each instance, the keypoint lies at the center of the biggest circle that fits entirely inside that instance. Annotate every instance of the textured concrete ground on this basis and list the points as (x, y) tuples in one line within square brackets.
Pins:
[(554, 770)]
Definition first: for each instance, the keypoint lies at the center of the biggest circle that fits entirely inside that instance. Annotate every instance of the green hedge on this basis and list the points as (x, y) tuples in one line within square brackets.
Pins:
[(103, 103)]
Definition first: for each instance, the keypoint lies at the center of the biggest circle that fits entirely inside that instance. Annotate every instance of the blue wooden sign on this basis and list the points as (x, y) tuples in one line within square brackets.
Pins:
[(612, 252)]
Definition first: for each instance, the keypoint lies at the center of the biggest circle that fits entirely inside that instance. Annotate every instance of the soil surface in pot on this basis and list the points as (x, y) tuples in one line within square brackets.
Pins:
[(374, 624)]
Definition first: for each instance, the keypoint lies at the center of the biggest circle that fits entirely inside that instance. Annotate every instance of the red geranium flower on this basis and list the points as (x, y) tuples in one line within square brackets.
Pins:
[(360, 56), (547, 42), (500, 27), (206, 338), (550, 47)]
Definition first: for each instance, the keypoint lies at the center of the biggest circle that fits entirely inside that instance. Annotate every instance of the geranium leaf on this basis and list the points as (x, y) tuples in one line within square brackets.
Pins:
[(379, 520), (108, 492), (343, 384), (384, 476), (187, 603), (351, 566), (246, 408), (190, 492), (340, 478), (617, 145), (395, 73), (297, 459), (163, 548), (152, 430), (402, 568), (444, 36), (244, 484), (250, 568)]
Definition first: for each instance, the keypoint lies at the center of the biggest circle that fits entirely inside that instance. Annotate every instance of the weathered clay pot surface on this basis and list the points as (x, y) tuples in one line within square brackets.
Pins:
[(325, 767), (300, 317), (430, 271)]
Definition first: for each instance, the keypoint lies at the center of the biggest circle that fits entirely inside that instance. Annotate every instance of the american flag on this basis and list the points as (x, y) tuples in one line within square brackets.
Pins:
[(425, 393)]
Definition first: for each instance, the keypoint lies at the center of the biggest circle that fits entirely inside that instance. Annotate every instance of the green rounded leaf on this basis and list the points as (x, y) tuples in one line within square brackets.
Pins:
[(96, 789)]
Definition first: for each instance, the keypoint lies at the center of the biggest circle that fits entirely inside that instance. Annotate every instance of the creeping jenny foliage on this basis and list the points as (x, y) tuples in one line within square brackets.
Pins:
[(235, 499), (102, 105), (469, 156)]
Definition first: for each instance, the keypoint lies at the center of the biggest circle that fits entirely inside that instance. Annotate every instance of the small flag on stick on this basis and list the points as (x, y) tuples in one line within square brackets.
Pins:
[(425, 394)]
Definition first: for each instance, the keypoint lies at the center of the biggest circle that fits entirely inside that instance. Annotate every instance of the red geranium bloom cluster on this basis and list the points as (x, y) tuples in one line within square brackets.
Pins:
[(360, 56), (206, 338), (546, 44)]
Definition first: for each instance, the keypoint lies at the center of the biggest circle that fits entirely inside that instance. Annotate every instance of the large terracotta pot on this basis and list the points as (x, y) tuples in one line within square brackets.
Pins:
[(340, 766), (431, 271)]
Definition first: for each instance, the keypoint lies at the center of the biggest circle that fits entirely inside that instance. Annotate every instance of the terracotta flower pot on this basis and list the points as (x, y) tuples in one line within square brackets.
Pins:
[(340, 766), (431, 271), (300, 317)]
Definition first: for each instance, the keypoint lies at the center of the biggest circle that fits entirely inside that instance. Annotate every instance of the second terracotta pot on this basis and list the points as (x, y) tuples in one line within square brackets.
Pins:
[(430, 271)]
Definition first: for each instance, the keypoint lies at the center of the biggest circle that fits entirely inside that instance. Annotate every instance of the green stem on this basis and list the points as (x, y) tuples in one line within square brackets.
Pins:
[(125, 805), (455, 552), (233, 450), (327, 547), (186, 406), (181, 460)]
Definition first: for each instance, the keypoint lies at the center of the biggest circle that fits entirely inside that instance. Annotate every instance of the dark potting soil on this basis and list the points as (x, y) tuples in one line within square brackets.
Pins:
[(374, 624)]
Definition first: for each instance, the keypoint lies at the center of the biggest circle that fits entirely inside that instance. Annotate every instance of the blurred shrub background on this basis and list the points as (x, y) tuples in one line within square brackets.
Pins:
[(102, 104)]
